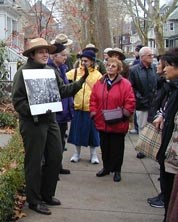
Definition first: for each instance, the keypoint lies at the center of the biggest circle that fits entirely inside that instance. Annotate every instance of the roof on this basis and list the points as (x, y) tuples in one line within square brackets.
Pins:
[(173, 15)]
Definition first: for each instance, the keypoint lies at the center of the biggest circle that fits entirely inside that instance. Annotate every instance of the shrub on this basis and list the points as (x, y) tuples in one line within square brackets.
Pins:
[(11, 175), (8, 119)]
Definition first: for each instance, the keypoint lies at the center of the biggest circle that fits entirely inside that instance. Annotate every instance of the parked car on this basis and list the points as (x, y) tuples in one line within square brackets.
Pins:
[(129, 61)]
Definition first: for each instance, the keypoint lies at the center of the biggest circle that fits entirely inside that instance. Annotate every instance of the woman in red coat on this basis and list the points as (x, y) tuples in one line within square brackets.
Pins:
[(110, 92)]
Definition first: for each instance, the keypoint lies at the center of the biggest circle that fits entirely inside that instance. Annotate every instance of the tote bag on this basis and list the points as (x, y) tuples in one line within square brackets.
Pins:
[(149, 141), (171, 161)]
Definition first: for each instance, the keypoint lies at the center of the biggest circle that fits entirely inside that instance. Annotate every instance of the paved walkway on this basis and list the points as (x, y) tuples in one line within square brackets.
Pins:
[(4, 138), (86, 198)]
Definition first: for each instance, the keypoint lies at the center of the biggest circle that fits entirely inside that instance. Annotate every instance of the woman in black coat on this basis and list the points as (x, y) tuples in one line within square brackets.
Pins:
[(165, 120)]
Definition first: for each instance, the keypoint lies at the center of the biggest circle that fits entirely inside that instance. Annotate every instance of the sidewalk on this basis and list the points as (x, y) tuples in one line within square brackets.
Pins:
[(86, 198), (4, 138)]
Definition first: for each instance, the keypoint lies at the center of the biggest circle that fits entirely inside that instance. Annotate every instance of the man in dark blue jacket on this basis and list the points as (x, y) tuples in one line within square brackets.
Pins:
[(144, 81)]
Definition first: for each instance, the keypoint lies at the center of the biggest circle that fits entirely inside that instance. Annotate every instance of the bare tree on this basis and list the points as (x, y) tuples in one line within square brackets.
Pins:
[(117, 14), (140, 22), (88, 20), (154, 17), (41, 22)]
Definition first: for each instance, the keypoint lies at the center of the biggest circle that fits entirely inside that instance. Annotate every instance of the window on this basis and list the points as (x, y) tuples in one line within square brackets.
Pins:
[(171, 26), (171, 43), (167, 43)]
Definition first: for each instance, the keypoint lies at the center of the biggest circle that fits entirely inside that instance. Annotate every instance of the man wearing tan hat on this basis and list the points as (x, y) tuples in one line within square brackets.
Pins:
[(40, 133), (64, 40)]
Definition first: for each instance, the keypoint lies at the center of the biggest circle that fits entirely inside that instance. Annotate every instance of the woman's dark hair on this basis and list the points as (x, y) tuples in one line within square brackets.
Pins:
[(163, 62), (171, 57)]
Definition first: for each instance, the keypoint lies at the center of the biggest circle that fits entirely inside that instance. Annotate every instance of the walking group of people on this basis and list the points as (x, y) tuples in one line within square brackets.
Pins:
[(88, 91)]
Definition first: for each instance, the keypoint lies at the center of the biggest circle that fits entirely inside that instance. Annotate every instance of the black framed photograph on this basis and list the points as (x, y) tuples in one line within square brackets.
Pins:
[(42, 91)]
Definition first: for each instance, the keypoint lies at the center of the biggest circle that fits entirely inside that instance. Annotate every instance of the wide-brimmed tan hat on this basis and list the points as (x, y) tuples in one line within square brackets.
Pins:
[(117, 51), (62, 39), (106, 50), (90, 46), (37, 43)]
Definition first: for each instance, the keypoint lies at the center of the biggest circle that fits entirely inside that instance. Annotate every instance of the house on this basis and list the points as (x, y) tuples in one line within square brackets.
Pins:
[(171, 30), (11, 33), (18, 22)]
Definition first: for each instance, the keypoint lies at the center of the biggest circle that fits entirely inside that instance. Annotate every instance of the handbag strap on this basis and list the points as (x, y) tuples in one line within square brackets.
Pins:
[(75, 74), (103, 94)]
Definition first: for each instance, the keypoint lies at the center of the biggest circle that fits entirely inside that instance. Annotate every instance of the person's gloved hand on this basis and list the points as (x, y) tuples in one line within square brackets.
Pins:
[(86, 73)]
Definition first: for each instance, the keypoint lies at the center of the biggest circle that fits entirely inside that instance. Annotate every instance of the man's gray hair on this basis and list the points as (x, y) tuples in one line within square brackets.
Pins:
[(144, 50)]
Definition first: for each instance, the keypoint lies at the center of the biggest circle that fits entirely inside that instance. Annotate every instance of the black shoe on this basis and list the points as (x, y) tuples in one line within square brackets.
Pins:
[(157, 203), (152, 199), (140, 155), (52, 201), (117, 177), (64, 171), (40, 208), (102, 173)]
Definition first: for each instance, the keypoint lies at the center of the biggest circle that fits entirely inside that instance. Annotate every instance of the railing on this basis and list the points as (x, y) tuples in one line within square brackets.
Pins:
[(14, 56), (5, 89)]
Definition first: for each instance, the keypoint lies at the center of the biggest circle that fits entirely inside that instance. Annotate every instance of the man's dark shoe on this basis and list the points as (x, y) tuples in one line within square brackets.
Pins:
[(40, 208), (117, 177), (52, 201), (152, 199), (103, 172), (64, 171), (157, 203), (140, 155)]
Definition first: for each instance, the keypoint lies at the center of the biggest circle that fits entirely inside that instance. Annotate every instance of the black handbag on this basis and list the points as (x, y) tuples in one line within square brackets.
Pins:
[(112, 116)]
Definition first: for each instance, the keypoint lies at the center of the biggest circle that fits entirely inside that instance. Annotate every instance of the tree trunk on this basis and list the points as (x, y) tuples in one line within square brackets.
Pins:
[(159, 41), (99, 31)]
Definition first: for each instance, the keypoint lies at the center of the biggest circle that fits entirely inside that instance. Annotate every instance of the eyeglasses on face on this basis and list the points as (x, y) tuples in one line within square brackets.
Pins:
[(111, 66), (150, 55)]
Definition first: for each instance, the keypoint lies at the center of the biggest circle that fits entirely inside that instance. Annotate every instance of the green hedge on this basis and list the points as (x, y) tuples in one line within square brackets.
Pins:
[(11, 175), (8, 119)]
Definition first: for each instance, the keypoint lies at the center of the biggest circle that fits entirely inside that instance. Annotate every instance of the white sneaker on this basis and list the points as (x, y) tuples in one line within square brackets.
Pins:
[(94, 159), (75, 158), (133, 131)]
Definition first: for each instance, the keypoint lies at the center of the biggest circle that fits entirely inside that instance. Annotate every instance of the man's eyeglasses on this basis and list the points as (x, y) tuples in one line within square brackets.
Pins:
[(150, 55)]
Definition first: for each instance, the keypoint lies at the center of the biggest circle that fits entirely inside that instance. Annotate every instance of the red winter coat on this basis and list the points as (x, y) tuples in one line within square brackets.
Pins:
[(119, 95)]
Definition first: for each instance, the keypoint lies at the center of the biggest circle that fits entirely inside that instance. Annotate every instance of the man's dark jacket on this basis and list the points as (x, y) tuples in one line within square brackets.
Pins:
[(144, 82)]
